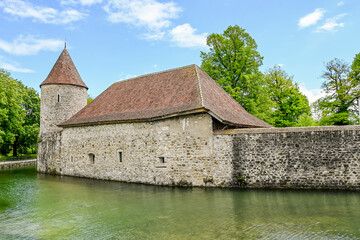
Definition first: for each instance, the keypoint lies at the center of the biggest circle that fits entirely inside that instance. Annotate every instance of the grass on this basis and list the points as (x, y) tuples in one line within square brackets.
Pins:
[(19, 157)]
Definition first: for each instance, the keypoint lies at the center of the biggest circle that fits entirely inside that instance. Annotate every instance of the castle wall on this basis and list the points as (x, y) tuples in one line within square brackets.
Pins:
[(312, 157), (59, 102), (185, 142)]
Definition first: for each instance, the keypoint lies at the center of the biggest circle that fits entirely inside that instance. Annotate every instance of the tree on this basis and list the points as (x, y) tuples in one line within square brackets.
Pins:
[(233, 62), (291, 105), (26, 140), (341, 86), (19, 115), (89, 99)]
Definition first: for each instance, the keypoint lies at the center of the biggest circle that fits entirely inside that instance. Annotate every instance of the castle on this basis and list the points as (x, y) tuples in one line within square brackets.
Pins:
[(178, 127)]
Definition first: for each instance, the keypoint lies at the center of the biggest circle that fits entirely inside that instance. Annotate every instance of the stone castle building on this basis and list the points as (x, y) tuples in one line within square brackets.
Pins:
[(178, 127)]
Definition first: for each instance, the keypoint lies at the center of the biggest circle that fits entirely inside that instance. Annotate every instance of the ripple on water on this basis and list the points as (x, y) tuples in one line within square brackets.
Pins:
[(49, 207)]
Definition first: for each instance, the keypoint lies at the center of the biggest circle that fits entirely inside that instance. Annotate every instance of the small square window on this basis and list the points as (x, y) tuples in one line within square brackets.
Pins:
[(162, 159)]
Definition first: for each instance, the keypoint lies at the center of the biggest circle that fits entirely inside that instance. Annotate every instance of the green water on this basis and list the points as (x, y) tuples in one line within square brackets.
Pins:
[(36, 206)]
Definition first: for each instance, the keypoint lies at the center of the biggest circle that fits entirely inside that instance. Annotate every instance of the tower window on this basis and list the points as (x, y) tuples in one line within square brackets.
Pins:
[(120, 156), (92, 158), (58, 97)]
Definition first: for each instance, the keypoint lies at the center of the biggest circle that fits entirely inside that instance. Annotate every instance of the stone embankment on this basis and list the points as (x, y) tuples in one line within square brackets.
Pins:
[(15, 164)]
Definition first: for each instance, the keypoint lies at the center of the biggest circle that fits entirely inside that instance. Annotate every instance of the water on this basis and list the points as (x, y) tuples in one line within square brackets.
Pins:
[(36, 206)]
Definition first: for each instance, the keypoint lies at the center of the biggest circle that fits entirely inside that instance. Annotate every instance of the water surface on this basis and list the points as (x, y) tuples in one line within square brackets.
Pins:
[(37, 206)]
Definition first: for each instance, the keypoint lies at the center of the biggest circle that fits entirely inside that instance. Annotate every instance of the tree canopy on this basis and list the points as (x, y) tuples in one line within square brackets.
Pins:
[(290, 104), (341, 86), (233, 62), (19, 116)]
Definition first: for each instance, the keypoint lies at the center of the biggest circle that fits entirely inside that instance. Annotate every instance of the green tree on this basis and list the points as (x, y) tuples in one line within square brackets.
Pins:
[(89, 99), (291, 105), (19, 115), (26, 140), (341, 86), (233, 62), (355, 68)]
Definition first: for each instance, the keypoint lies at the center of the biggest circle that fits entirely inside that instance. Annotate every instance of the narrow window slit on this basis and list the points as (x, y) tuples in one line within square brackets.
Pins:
[(92, 158), (120, 154)]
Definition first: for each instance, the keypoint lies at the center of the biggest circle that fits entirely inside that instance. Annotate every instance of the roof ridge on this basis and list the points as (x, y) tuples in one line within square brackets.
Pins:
[(199, 85), (154, 73)]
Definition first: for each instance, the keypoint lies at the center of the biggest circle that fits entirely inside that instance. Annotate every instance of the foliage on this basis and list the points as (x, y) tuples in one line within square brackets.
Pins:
[(233, 62), (19, 116), (341, 86), (89, 99), (291, 106), (305, 120)]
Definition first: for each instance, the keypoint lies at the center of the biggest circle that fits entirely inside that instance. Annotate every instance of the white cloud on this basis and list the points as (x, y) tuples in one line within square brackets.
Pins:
[(153, 15), (13, 68), (311, 94), (184, 36), (340, 3), (30, 45), (311, 18), (82, 2), (25, 9), (331, 24), (127, 76), (280, 65)]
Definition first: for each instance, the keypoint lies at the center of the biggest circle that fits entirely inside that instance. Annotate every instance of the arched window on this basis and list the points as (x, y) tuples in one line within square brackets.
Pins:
[(92, 158)]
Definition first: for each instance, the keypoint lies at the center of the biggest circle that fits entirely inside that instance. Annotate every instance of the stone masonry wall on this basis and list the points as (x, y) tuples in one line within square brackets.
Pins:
[(59, 102), (313, 157), (185, 142)]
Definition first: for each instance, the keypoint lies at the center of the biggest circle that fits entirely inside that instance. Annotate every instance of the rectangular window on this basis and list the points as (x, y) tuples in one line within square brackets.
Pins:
[(58, 97), (120, 155), (161, 159), (92, 158)]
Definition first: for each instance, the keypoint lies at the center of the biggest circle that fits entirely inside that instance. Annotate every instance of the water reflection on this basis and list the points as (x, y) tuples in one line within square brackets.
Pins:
[(36, 206)]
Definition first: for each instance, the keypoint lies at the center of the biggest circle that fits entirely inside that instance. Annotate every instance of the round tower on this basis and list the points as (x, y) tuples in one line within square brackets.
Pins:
[(63, 94)]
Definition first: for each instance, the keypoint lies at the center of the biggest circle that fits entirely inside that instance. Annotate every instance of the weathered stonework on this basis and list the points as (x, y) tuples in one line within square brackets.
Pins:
[(59, 102), (314, 157), (185, 142), (320, 157), (16, 164)]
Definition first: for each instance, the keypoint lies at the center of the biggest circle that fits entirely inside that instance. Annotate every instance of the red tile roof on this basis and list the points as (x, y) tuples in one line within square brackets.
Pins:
[(64, 72), (164, 94)]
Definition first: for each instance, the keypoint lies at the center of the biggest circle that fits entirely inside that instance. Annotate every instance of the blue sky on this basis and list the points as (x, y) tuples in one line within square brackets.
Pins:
[(111, 40)]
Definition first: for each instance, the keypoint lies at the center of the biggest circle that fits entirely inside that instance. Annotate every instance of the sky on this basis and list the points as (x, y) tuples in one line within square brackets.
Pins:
[(112, 40)]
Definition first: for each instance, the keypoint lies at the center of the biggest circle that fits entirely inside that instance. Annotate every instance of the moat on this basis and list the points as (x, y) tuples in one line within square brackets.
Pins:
[(37, 206)]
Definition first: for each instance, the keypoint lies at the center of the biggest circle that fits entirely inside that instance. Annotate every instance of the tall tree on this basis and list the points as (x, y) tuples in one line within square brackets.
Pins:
[(26, 139), (290, 104), (19, 115), (233, 62), (341, 86)]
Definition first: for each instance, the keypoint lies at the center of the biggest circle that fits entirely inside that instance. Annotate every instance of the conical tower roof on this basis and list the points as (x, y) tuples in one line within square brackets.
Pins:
[(64, 72)]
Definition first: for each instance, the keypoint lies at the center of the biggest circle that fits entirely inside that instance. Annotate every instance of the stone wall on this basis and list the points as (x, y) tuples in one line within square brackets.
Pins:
[(16, 164), (313, 157), (59, 102), (48, 154), (185, 142)]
